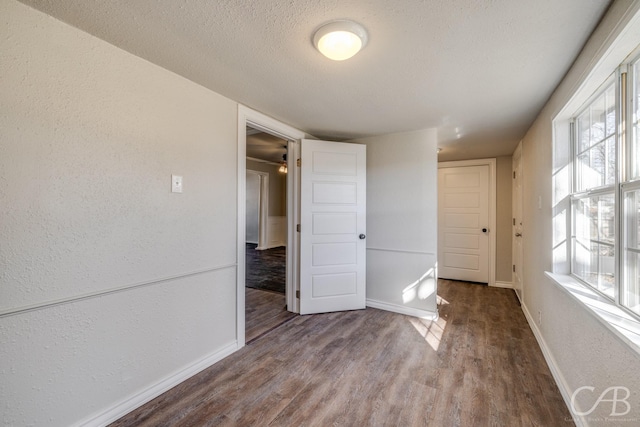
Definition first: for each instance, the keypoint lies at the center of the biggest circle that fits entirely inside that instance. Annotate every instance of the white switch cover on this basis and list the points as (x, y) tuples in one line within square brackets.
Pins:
[(176, 184)]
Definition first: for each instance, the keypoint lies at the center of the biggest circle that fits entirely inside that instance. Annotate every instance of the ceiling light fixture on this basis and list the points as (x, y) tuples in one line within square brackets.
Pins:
[(283, 166), (340, 40)]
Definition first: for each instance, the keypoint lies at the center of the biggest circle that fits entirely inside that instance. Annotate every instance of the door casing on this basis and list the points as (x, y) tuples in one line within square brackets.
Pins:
[(517, 228), (257, 120)]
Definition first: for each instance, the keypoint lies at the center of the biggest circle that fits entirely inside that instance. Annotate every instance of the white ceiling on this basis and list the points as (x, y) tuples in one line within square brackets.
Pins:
[(479, 71)]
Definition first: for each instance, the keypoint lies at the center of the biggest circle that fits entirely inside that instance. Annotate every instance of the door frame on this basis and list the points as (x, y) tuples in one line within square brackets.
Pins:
[(257, 120), (263, 208), (492, 206), (517, 201)]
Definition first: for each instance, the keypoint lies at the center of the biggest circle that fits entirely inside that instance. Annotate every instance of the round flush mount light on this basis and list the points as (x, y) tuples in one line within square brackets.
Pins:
[(340, 40)]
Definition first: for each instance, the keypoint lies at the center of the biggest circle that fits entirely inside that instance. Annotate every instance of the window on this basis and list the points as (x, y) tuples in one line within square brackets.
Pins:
[(630, 195), (605, 197)]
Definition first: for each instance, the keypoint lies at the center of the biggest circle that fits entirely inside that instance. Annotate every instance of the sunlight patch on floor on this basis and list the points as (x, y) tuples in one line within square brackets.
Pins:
[(431, 330), (441, 301)]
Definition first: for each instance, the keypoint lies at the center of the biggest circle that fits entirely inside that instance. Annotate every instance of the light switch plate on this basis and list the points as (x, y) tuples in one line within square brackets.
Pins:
[(176, 184)]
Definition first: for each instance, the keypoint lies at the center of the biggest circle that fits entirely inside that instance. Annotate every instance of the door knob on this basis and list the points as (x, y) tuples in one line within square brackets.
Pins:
[(362, 236), (518, 234), (484, 230)]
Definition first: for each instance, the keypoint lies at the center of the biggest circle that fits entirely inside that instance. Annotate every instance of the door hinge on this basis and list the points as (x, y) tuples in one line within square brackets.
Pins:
[(514, 268), (298, 294), (514, 174), (298, 228), (514, 221), (299, 162)]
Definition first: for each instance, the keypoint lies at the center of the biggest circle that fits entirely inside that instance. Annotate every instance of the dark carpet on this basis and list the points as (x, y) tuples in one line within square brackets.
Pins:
[(265, 270)]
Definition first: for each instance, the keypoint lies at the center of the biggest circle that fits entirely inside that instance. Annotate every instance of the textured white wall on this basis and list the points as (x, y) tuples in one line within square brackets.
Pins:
[(585, 352), (89, 137), (402, 219)]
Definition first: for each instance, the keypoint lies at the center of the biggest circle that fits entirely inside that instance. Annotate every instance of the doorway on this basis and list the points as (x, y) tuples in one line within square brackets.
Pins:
[(265, 233), (258, 122)]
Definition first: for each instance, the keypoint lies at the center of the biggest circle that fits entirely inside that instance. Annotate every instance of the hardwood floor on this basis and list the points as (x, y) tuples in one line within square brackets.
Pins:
[(477, 365), (264, 311), (265, 303), (266, 269)]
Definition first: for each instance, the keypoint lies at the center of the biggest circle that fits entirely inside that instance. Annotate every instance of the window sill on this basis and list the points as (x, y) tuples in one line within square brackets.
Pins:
[(624, 326)]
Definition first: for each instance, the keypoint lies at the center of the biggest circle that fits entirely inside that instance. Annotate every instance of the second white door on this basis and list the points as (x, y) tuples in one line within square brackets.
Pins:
[(463, 223)]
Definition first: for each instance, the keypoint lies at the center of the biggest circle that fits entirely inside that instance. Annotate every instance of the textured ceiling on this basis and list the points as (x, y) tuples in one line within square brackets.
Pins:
[(479, 71)]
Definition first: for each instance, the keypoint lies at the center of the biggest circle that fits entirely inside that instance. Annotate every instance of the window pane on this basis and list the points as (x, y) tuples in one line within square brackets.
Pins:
[(583, 131), (610, 105), (596, 143), (631, 285), (631, 288), (610, 161), (598, 115), (594, 242), (634, 147), (605, 220), (632, 219), (634, 153), (631, 266), (606, 270), (596, 167), (582, 238), (583, 166)]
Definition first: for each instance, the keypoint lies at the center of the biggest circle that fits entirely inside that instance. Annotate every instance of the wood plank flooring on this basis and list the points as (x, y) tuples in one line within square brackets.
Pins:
[(264, 311), (477, 365), (266, 269)]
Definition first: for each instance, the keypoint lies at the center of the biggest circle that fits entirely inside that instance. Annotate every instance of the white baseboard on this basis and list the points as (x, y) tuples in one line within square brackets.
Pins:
[(409, 311), (506, 285), (135, 401), (272, 245), (553, 367)]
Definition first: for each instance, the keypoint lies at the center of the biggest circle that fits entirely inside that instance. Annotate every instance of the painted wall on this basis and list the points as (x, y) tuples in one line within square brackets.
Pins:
[(277, 187), (582, 350), (109, 283), (504, 180), (402, 221)]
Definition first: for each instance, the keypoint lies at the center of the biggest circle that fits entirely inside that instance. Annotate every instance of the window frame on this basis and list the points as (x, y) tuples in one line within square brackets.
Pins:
[(626, 83)]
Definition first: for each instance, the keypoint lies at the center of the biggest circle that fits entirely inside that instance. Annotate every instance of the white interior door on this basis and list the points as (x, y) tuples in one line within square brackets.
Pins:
[(333, 227), (517, 221), (463, 223)]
